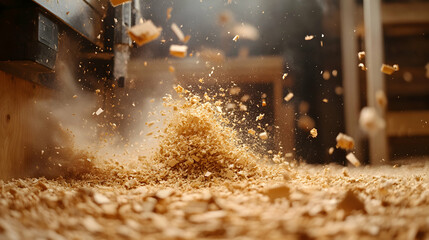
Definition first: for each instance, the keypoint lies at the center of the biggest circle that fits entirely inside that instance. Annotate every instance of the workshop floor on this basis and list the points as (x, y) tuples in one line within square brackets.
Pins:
[(299, 202)]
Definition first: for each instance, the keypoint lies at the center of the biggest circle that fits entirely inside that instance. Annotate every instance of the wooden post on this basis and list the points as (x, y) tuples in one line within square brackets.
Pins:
[(375, 81), (350, 72)]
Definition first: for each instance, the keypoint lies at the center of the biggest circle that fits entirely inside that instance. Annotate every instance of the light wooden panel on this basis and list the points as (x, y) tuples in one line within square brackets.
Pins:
[(16, 99), (407, 123)]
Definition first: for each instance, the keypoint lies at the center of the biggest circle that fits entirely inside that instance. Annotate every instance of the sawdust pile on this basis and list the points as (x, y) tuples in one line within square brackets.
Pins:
[(198, 142)]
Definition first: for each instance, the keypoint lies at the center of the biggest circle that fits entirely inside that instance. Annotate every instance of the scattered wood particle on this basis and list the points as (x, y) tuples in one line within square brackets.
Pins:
[(284, 76), (264, 102), (334, 73), (326, 75), (260, 117), (387, 69), (251, 131), (235, 91), (331, 150), (352, 159), (309, 37), (100, 198), (169, 10), (74, 96), (99, 111), (165, 193), (263, 135), (361, 55), (276, 192), (370, 121), (313, 132), (338, 90), (171, 69), (186, 39), (97, 91), (236, 37), (362, 67), (396, 67), (325, 100), (288, 97), (345, 142), (178, 50), (178, 32), (91, 224), (144, 33)]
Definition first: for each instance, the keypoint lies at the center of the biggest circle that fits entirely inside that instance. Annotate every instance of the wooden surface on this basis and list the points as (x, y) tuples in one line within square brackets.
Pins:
[(407, 123), (17, 98)]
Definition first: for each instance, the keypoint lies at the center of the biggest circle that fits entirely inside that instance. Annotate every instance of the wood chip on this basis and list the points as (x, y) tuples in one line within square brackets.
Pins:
[(361, 55), (313, 132), (169, 10), (387, 69), (288, 97), (284, 76), (91, 224), (352, 159), (276, 192), (309, 37), (178, 32), (370, 121), (263, 135), (165, 193), (178, 50), (345, 142), (144, 33), (100, 199)]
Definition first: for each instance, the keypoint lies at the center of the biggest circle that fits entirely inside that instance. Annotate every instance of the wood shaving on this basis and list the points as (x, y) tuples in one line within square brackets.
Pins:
[(263, 135), (370, 121), (169, 10), (288, 97), (178, 50), (387, 69), (361, 55), (309, 37), (352, 159), (144, 32), (345, 142), (178, 32), (313, 132)]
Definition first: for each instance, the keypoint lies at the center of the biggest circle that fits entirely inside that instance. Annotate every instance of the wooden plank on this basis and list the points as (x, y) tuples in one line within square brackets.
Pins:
[(413, 15), (350, 72), (407, 123), (405, 13), (17, 97), (375, 81)]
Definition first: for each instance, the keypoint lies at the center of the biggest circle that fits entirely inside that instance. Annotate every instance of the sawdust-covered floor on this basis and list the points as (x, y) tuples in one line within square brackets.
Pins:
[(286, 202)]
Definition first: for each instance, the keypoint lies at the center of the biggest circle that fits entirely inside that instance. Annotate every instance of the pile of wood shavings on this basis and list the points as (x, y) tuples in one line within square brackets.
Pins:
[(309, 202), (197, 142)]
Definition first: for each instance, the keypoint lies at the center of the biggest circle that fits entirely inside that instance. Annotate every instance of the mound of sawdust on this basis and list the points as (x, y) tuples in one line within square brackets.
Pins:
[(197, 141)]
